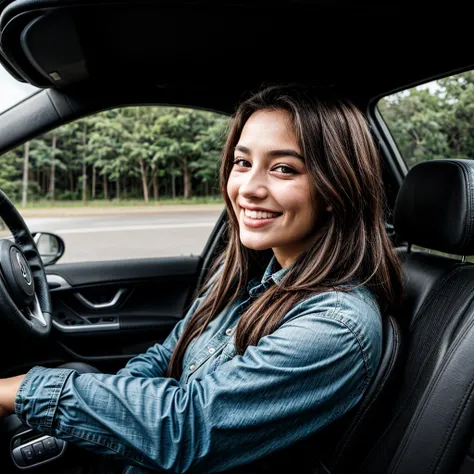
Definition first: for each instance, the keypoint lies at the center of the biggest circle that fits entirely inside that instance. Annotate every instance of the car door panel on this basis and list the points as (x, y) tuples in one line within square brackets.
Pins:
[(98, 272), (110, 311)]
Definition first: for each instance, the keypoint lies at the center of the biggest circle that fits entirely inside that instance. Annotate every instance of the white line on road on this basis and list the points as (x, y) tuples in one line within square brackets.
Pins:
[(89, 230)]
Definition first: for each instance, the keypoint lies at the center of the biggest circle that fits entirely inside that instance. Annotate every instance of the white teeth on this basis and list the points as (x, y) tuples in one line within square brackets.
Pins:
[(260, 214)]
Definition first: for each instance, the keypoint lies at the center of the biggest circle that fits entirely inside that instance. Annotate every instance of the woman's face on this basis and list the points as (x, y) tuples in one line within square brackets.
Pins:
[(270, 189)]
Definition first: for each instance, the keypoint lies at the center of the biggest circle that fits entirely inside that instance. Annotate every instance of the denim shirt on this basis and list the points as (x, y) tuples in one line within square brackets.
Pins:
[(227, 410)]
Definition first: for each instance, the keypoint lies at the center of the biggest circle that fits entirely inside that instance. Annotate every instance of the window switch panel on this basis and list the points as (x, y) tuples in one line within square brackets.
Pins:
[(30, 449)]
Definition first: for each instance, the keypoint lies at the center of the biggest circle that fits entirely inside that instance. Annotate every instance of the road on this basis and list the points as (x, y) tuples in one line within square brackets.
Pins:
[(110, 237)]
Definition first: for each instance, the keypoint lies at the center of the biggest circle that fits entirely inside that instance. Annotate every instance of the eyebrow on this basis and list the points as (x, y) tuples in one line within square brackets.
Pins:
[(276, 153)]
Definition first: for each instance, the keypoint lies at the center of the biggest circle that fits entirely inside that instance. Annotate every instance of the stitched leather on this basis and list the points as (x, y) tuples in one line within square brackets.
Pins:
[(445, 412), (345, 443), (419, 427)]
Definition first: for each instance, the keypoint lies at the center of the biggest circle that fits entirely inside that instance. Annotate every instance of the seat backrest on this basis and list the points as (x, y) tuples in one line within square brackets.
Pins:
[(432, 420), (345, 443)]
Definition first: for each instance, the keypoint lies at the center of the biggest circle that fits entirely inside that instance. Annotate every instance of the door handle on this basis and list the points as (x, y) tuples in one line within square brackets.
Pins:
[(108, 305)]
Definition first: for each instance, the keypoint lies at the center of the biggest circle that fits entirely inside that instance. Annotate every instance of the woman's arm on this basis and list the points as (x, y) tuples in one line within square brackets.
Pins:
[(295, 381), (8, 389), (153, 363)]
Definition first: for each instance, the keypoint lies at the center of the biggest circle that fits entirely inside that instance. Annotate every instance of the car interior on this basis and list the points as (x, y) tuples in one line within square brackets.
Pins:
[(86, 57)]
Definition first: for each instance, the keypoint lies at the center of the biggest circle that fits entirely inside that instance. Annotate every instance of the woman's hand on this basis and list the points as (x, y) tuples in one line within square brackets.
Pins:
[(8, 389)]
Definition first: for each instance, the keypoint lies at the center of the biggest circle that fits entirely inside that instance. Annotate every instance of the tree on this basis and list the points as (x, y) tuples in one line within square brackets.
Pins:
[(10, 174), (24, 194), (103, 145), (416, 122), (144, 149), (211, 142), (458, 94), (433, 123), (47, 154), (184, 138)]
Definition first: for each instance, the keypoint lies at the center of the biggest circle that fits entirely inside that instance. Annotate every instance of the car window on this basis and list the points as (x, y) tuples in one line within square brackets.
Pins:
[(434, 120), (125, 183)]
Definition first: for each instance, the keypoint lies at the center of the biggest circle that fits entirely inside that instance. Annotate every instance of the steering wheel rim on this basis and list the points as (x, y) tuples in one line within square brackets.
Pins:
[(24, 293)]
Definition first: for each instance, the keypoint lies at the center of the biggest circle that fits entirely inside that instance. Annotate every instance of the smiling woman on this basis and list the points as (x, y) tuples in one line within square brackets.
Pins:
[(286, 335), (270, 188)]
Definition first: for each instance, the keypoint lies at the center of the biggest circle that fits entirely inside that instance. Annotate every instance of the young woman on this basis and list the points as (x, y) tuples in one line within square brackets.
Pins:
[(285, 336)]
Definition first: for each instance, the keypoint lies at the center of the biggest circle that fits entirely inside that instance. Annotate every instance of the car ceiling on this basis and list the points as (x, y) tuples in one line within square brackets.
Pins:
[(223, 50)]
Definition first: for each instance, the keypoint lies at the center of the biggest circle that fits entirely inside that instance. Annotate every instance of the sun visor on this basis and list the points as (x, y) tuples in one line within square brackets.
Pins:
[(40, 37), (42, 46)]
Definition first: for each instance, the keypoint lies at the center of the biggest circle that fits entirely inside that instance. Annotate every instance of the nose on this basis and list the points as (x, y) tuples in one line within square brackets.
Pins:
[(254, 185)]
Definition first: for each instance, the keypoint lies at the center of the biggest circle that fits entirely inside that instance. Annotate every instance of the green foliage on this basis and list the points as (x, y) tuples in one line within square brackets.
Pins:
[(433, 124), (127, 151), (10, 173), (68, 195)]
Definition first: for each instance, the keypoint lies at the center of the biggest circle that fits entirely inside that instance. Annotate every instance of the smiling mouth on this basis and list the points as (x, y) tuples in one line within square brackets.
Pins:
[(261, 214)]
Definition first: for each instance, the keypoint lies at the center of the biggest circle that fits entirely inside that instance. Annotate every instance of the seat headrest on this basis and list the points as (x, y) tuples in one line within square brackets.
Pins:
[(435, 206)]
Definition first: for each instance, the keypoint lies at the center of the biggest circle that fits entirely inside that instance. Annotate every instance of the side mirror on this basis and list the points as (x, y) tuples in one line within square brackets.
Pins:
[(50, 247)]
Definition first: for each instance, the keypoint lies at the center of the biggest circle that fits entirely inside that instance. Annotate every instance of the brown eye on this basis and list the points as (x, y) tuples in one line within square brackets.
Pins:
[(241, 162), (285, 169)]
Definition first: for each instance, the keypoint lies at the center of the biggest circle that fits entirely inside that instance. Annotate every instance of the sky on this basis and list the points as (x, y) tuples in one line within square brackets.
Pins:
[(11, 90)]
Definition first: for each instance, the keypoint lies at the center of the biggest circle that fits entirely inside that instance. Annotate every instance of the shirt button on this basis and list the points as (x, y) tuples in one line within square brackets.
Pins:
[(192, 367), (212, 350), (229, 332)]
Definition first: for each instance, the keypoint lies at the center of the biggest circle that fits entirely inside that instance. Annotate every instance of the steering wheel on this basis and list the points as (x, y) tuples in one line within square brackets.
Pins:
[(24, 291)]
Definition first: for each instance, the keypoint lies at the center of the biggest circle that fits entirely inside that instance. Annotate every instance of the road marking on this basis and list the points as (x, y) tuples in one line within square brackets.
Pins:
[(90, 230)]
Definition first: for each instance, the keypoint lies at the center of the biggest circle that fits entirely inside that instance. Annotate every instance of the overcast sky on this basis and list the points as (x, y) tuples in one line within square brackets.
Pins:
[(11, 90)]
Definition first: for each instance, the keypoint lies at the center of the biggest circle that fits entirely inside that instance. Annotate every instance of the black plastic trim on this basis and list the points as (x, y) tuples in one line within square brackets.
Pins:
[(89, 273)]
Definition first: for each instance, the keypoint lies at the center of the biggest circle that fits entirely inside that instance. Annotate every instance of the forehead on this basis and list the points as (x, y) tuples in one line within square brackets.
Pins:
[(267, 127)]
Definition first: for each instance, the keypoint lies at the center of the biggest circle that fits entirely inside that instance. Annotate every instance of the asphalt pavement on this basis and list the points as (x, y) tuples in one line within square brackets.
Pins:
[(131, 233)]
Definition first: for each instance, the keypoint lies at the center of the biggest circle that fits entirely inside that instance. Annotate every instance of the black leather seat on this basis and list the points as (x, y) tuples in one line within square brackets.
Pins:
[(344, 444), (432, 420)]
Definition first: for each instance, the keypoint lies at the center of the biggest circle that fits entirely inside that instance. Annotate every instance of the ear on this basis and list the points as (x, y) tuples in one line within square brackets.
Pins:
[(329, 208)]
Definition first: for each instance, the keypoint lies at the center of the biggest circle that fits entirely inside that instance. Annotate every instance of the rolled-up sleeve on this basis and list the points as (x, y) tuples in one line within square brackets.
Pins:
[(307, 373)]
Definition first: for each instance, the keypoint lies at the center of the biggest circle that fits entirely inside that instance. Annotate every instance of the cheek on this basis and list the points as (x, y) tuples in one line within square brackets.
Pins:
[(230, 191), (233, 184), (299, 203), (295, 201)]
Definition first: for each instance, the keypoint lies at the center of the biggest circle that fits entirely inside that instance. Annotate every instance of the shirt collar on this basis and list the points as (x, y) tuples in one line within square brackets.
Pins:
[(272, 274), (274, 271)]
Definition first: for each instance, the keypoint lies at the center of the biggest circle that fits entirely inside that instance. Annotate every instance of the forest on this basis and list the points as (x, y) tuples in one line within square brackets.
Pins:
[(433, 123), (152, 153), (144, 153)]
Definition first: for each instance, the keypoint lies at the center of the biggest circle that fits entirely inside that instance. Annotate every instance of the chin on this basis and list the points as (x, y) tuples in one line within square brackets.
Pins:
[(254, 245)]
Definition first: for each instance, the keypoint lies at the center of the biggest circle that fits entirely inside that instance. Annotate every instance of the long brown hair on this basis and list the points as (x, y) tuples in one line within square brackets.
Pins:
[(351, 243)]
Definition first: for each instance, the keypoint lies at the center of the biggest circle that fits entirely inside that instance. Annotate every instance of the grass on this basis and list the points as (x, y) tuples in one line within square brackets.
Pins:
[(101, 203)]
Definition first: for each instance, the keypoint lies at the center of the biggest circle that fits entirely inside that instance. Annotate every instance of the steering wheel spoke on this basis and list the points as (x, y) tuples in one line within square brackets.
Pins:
[(33, 313)]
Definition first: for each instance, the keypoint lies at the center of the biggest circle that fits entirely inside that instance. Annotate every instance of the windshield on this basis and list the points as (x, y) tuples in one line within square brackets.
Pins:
[(12, 91)]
